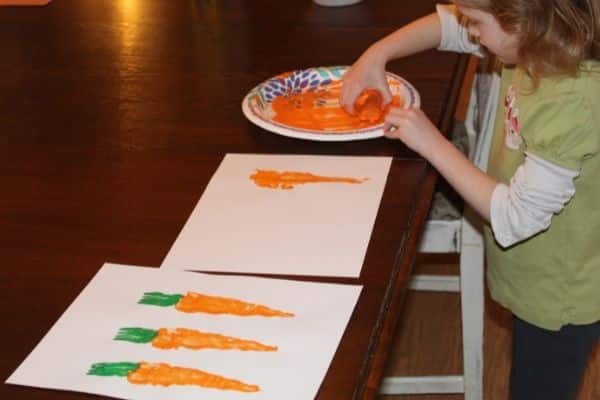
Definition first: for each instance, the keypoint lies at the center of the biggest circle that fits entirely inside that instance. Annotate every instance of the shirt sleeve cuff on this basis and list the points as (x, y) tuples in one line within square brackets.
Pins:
[(498, 215), (448, 17), (454, 36)]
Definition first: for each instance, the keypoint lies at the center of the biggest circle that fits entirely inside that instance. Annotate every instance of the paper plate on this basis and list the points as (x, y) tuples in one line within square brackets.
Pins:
[(257, 105)]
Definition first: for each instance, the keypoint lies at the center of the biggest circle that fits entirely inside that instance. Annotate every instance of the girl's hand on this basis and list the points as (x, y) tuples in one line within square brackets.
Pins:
[(368, 72), (413, 128)]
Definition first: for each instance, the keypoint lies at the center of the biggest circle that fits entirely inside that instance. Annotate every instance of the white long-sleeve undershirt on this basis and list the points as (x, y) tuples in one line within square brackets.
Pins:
[(538, 190)]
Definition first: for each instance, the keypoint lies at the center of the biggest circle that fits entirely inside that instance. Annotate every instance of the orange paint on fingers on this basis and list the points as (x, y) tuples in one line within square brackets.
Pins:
[(369, 105)]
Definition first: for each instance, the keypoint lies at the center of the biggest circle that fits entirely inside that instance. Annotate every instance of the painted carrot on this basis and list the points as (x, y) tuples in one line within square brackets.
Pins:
[(167, 339), (197, 302), (162, 374), (288, 179)]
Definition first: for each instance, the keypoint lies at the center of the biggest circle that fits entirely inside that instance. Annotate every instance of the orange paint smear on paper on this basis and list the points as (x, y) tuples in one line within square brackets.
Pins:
[(166, 375), (193, 339), (289, 179), (320, 110), (197, 302)]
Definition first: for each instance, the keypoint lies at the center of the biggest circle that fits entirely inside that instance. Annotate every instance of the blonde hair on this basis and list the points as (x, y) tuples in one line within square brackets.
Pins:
[(554, 36)]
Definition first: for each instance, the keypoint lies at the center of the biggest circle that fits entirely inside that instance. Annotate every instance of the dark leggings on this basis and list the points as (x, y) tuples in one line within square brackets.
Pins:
[(549, 365)]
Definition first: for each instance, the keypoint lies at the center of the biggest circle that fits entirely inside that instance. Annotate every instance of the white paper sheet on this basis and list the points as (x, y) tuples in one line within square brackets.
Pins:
[(320, 229), (84, 335)]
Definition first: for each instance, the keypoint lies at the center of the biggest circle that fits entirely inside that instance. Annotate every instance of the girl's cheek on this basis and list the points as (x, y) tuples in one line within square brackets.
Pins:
[(487, 41), (473, 32)]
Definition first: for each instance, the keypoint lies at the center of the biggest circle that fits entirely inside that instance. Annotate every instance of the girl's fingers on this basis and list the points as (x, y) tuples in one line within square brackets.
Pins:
[(388, 127), (349, 107), (342, 98), (397, 121), (398, 112), (347, 98), (386, 94), (396, 116)]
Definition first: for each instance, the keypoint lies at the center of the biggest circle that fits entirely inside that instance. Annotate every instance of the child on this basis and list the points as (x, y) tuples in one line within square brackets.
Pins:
[(541, 193)]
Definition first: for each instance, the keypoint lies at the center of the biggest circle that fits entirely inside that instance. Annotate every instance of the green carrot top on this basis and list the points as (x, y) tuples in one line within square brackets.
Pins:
[(160, 299), (113, 368), (136, 335)]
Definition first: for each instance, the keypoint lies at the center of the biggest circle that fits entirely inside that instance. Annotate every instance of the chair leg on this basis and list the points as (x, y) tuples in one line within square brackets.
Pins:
[(396, 385), (472, 307)]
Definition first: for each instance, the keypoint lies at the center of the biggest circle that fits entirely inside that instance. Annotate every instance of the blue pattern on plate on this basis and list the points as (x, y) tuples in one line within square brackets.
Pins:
[(298, 81)]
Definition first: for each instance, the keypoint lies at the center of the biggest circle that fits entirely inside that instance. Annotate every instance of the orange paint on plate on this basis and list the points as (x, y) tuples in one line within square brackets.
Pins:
[(320, 110), (288, 179)]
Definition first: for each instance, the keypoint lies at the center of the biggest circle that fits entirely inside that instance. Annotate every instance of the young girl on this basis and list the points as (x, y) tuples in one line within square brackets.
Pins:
[(541, 193)]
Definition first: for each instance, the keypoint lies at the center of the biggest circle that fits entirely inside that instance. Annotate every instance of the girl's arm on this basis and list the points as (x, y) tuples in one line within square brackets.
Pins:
[(442, 30), (369, 70), (422, 34), (474, 186), (416, 130), (538, 190)]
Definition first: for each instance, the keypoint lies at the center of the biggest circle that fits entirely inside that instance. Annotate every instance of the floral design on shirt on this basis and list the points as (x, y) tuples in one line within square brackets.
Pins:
[(512, 127)]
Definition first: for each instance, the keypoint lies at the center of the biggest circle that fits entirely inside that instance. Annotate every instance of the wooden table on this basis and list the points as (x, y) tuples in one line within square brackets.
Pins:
[(114, 115)]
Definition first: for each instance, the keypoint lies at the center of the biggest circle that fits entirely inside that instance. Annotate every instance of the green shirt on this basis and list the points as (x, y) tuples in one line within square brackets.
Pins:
[(553, 278)]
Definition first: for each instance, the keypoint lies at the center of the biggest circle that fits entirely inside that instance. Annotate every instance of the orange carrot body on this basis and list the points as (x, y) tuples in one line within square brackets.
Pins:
[(193, 339), (289, 179), (163, 374), (196, 302)]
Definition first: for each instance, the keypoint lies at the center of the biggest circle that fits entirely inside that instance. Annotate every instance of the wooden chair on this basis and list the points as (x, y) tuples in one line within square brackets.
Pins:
[(460, 235)]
